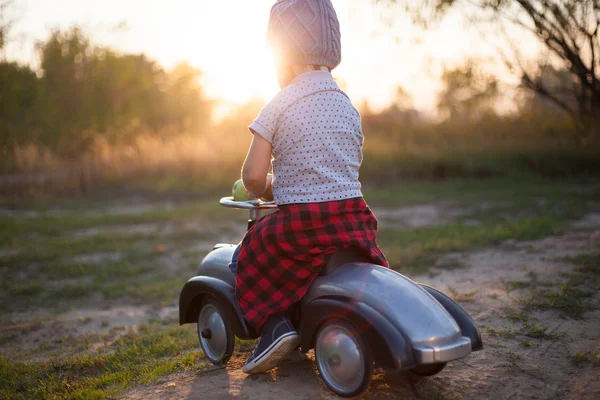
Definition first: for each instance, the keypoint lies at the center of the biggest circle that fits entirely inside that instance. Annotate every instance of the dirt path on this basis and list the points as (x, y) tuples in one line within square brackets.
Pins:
[(528, 298)]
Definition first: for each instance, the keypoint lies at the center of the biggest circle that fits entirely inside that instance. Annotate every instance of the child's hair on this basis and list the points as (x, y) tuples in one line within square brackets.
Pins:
[(305, 32)]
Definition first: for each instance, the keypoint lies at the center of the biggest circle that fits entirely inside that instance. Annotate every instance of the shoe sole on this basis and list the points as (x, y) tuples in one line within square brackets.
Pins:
[(271, 357)]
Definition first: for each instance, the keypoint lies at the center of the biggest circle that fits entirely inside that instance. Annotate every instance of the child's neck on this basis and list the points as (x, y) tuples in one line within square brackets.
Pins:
[(302, 69), (297, 70)]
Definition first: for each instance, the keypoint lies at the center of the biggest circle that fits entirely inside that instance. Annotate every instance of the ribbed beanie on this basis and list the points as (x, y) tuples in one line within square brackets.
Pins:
[(305, 32)]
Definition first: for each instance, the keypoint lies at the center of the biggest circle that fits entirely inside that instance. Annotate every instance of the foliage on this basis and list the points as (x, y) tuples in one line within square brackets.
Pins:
[(469, 94), (4, 23), (18, 96), (135, 358), (85, 94), (567, 29)]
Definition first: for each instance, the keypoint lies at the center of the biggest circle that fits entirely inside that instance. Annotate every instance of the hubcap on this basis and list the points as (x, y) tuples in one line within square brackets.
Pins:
[(212, 333), (340, 358)]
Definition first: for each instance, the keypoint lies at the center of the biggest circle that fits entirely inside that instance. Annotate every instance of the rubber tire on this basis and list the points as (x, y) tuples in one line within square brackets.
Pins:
[(428, 369), (229, 332), (364, 348)]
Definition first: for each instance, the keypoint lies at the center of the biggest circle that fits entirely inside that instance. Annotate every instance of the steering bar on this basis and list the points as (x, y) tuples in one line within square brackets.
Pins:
[(254, 207)]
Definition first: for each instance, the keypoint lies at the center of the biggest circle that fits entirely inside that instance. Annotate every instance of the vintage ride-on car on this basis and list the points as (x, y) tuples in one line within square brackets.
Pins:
[(355, 315)]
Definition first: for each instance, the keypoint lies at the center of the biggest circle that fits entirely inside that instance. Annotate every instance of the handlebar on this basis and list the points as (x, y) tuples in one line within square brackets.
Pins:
[(250, 205), (254, 207)]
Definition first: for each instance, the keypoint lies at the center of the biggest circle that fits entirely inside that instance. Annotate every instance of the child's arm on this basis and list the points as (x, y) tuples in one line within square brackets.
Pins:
[(256, 167)]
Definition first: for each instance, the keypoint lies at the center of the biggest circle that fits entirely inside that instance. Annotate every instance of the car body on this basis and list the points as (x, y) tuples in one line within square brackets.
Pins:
[(401, 324)]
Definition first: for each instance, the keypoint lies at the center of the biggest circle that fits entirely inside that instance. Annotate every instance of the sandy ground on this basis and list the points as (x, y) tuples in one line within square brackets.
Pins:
[(542, 368)]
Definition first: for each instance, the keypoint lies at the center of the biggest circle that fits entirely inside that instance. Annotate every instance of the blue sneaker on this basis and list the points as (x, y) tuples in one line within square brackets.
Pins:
[(278, 339)]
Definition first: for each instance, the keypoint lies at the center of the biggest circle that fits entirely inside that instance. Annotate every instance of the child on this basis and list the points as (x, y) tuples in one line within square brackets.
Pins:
[(314, 135)]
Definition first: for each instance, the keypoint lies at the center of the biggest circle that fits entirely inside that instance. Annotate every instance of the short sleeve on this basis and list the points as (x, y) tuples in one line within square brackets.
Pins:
[(265, 124)]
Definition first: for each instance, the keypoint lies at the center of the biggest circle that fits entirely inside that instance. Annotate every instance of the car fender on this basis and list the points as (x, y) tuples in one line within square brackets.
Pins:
[(194, 292), (389, 348), (464, 321)]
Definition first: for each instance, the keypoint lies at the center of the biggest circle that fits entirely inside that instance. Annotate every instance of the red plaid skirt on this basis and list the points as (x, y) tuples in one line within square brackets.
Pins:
[(285, 251)]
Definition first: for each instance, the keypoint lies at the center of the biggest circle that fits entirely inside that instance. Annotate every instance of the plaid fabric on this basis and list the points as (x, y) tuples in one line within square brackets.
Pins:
[(284, 252)]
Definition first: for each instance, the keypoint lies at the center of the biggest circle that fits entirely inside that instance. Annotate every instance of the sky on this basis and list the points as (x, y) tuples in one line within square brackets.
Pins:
[(226, 40)]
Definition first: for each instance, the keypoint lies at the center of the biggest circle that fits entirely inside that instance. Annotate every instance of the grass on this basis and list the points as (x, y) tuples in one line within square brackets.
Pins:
[(48, 272), (587, 263), (133, 359), (517, 316), (207, 162), (526, 208), (528, 329), (523, 190), (504, 333), (58, 266), (415, 251), (534, 331), (516, 285), (47, 225), (569, 300), (583, 359)]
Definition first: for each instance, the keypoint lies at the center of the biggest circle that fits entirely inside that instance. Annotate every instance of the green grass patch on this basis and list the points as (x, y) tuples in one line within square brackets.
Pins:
[(12, 229), (516, 285), (7, 338), (416, 250), (588, 263), (54, 270), (137, 275), (61, 248), (585, 358), (517, 316), (514, 191), (528, 329), (133, 359), (504, 333), (157, 290), (518, 209), (532, 330), (569, 300)]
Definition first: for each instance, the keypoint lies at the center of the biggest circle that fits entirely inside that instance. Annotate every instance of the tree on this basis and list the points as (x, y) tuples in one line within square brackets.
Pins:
[(88, 93), (5, 24), (18, 96), (469, 94), (401, 110), (567, 29)]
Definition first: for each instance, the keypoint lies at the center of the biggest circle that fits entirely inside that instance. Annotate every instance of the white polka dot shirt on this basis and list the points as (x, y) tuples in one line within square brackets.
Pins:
[(317, 141)]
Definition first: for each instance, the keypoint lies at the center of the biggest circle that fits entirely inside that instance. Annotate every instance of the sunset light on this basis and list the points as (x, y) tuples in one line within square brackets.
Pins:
[(226, 41), (399, 199)]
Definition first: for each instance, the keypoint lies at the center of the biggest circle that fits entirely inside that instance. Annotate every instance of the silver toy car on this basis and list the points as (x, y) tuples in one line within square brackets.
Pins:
[(355, 315)]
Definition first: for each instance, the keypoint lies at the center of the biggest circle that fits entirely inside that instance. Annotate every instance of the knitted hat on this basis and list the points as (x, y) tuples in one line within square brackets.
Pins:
[(305, 32)]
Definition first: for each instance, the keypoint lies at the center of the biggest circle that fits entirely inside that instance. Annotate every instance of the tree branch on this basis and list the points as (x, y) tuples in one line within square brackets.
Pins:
[(540, 89), (560, 47)]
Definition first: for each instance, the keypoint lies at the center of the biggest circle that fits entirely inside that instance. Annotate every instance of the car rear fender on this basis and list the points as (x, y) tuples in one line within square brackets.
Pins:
[(195, 291), (464, 321), (389, 348)]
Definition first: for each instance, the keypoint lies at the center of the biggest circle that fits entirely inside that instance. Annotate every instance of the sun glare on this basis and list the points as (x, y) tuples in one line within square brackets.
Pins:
[(226, 41), (231, 50)]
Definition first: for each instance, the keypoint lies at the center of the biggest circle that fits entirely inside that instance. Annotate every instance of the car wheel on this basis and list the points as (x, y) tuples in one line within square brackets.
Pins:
[(428, 369), (343, 358), (215, 333)]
